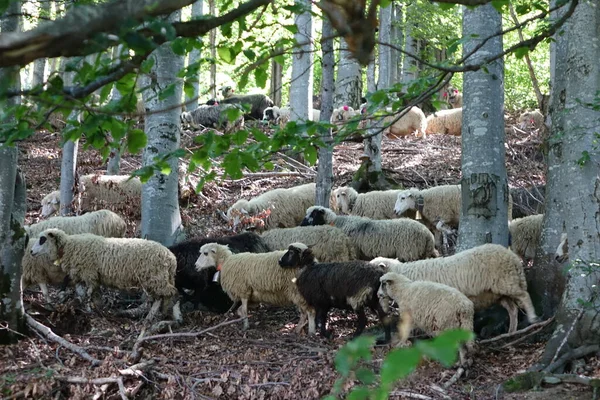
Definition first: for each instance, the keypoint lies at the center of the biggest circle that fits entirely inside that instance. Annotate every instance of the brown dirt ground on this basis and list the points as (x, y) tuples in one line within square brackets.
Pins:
[(269, 361)]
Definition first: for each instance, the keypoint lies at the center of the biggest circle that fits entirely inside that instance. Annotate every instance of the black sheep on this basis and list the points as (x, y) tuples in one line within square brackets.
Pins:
[(207, 292), (345, 285)]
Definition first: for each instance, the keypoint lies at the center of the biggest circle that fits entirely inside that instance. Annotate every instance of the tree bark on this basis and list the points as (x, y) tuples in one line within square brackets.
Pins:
[(68, 165), (161, 220), (212, 39), (114, 158), (397, 40), (39, 66), (484, 214), (276, 84), (348, 85), (325, 169), (302, 72), (409, 64), (191, 102), (581, 123)]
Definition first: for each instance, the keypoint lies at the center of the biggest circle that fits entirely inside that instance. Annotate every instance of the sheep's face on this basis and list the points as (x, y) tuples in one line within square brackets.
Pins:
[(315, 216), (186, 118), (45, 244), (297, 255), (342, 201), (207, 258), (405, 202), (562, 251), (50, 206)]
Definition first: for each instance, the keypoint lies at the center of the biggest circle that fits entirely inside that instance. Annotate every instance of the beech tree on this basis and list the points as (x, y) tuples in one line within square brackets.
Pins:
[(302, 59)]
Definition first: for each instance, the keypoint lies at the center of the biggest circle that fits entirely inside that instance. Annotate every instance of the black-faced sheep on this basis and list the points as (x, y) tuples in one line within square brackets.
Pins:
[(531, 120), (248, 277), (525, 234), (214, 116), (206, 291), (378, 204), (287, 206), (402, 238), (346, 285), (327, 243), (50, 204), (102, 222), (430, 306), (118, 263), (486, 274), (445, 122), (257, 103)]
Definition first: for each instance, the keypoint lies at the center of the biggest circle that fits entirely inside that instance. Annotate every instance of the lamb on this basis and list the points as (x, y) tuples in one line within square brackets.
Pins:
[(402, 238), (351, 284), (249, 277), (486, 274), (116, 190), (257, 102), (447, 122), (286, 206), (118, 263), (103, 223), (206, 292), (327, 243), (374, 205), (213, 116), (430, 306), (50, 204), (525, 234), (531, 120)]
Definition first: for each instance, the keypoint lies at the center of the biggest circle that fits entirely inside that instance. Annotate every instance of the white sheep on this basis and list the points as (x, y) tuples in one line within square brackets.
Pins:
[(114, 262), (40, 270), (525, 234), (402, 238), (531, 120), (439, 203), (486, 274), (328, 243), (50, 204), (102, 222), (341, 115), (378, 204), (413, 122), (117, 190), (447, 122), (455, 98), (213, 116), (249, 277), (286, 206), (430, 306)]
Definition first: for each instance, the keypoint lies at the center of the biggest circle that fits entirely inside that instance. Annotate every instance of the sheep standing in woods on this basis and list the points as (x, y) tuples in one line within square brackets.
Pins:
[(430, 306), (257, 102), (50, 204), (454, 98), (401, 238), (439, 203), (486, 274), (286, 206), (118, 263), (531, 120), (525, 234), (248, 277), (116, 190), (378, 204), (346, 285), (445, 122), (214, 116)]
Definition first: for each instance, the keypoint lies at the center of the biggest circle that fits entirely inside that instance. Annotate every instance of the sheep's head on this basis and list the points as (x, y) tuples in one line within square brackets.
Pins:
[(270, 114), (49, 243), (186, 118), (317, 215), (226, 91), (212, 255), (298, 255), (406, 201), (344, 199), (50, 204)]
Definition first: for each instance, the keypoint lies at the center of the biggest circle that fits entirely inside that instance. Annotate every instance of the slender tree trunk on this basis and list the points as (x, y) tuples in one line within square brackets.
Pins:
[(12, 209), (68, 165), (371, 78), (302, 73), (161, 220), (212, 38), (276, 82), (484, 215), (409, 64), (348, 85), (114, 158), (398, 41), (39, 65), (191, 102), (325, 170), (577, 316)]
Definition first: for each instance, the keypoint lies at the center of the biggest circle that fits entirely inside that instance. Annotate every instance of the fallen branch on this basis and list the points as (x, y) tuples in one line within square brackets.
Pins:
[(47, 332), (136, 369), (271, 174), (572, 378), (459, 372), (519, 332), (572, 355), (410, 395), (96, 381)]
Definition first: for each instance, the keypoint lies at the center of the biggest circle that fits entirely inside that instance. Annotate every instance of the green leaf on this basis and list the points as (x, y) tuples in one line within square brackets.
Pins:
[(226, 54), (168, 92), (147, 65), (144, 173), (239, 137), (189, 89), (365, 375), (138, 42), (385, 3), (136, 140), (359, 393), (398, 364), (521, 52), (310, 154), (179, 46), (261, 76), (269, 166), (444, 348), (499, 4), (445, 6), (232, 165)]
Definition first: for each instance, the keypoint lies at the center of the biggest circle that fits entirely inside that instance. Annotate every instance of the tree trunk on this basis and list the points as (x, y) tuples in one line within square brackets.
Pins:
[(12, 209), (212, 38), (39, 65), (409, 64), (581, 123), (68, 165), (275, 91), (398, 41), (161, 220), (114, 158), (371, 78), (302, 72), (325, 169), (348, 85), (191, 101), (484, 215)]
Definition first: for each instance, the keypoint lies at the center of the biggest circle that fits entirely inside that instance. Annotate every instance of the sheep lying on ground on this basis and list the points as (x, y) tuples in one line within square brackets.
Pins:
[(206, 292), (402, 238), (248, 277), (351, 284), (376, 204), (214, 116), (485, 274), (430, 306), (258, 102), (118, 263), (102, 222), (117, 190), (413, 122), (531, 120), (446, 122), (50, 204), (287, 206), (525, 234), (327, 243)]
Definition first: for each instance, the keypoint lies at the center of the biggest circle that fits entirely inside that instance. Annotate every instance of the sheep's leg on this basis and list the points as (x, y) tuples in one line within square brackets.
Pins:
[(513, 314), (525, 302), (177, 312), (44, 289), (153, 310), (302, 322), (322, 320), (235, 306), (243, 313), (312, 329), (404, 326), (361, 322)]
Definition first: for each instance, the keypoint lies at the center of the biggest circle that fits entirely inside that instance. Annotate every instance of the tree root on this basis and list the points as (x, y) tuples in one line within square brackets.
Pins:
[(572, 355), (517, 333), (533, 380)]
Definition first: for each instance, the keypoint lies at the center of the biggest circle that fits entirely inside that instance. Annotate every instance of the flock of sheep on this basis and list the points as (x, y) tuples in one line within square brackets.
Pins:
[(368, 255)]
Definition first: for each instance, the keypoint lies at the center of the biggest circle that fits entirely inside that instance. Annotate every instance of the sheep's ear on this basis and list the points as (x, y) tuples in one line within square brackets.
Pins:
[(51, 235)]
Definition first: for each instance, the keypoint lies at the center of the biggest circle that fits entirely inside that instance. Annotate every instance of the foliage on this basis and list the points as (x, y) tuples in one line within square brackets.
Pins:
[(352, 363)]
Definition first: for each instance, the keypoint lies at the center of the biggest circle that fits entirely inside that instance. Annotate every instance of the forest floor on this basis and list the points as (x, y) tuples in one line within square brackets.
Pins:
[(269, 361)]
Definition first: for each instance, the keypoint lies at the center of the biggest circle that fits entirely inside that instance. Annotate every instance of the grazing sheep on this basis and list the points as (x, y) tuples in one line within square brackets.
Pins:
[(378, 204), (214, 116), (102, 222), (248, 277), (257, 102), (206, 291), (430, 306), (486, 274), (50, 204), (286, 206), (351, 284), (562, 251), (117, 190), (326, 242), (446, 122), (118, 263), (402, 238), (531, 120), (525, 234)]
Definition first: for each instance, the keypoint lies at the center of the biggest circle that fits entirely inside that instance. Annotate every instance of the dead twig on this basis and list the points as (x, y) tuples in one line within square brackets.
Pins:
[(459, 372), (564, 341), (517, 333), (96, 381)]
